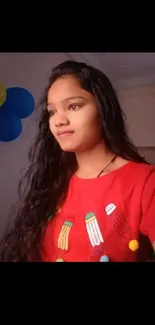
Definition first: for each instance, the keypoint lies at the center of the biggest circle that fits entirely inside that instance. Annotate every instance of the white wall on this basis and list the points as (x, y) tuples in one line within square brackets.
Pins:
[(148, 153), (139, 107), (138, 104), (31, 70)]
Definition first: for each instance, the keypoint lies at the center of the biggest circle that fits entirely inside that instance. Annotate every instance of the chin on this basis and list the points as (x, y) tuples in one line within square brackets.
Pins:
[(69, 148)]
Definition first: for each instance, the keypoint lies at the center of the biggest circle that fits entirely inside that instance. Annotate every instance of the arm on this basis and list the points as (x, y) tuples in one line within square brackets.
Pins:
[(147, 226)]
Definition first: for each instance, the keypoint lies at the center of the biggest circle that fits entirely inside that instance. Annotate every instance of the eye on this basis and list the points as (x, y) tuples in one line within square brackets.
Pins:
[(73, 106), (51, 113)]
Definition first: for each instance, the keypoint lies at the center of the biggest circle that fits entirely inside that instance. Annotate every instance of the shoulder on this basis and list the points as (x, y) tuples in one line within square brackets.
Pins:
[(133, 177), (138, 171), (148, 206), (149, 184)]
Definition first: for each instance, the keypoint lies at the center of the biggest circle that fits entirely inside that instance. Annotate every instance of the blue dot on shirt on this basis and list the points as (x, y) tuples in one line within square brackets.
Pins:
[(104, 258)]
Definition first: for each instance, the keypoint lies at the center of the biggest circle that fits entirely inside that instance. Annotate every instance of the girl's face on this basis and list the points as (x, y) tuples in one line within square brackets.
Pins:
[(74, 116)]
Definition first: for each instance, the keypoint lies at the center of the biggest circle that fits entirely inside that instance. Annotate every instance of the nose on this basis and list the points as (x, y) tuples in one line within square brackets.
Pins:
[(61, 120)]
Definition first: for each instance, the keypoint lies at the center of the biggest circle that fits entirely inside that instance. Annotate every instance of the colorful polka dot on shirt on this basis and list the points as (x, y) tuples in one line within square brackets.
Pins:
[(133, 245), (104, 258)]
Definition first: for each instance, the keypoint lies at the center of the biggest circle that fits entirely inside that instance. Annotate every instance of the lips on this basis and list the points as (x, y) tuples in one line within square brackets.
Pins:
[(65, 133)]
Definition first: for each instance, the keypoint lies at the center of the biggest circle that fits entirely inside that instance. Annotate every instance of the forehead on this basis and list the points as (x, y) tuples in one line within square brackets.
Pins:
[(65, 88)]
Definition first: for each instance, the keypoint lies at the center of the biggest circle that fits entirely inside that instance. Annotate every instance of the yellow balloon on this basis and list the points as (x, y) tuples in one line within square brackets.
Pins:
[(2, 94)]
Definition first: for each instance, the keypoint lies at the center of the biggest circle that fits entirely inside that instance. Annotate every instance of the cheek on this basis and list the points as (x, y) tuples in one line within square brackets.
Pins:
[(51, 125), (89, 123), (92, 129)]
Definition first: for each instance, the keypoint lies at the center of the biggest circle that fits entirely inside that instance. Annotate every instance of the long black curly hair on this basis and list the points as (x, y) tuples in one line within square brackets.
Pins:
[(50, 169)]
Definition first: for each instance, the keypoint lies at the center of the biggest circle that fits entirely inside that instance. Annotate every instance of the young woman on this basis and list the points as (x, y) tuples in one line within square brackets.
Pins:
[(89, 195)]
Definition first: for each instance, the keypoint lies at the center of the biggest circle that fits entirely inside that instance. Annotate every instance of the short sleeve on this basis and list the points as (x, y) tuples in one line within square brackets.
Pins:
[(147, 226)]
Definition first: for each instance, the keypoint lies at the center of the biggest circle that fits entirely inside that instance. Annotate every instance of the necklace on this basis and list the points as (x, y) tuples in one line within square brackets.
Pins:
[(107, 166)]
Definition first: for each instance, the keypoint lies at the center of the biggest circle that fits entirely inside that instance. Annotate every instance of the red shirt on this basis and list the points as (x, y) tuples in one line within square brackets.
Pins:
[(110, 218)]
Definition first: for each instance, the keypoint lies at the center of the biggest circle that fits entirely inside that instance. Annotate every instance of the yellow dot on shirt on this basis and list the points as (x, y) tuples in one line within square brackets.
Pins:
[(59, 260), (134, 245)]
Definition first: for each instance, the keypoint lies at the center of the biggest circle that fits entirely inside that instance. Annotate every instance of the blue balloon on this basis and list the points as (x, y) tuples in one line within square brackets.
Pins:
[(10, 126), (20, 102)]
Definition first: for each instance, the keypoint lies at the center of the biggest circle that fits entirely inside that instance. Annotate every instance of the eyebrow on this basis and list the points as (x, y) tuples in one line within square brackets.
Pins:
[(74, 97), (69, 98)]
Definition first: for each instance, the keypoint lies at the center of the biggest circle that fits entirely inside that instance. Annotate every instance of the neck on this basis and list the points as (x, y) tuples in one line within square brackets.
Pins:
[(91, 162)]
